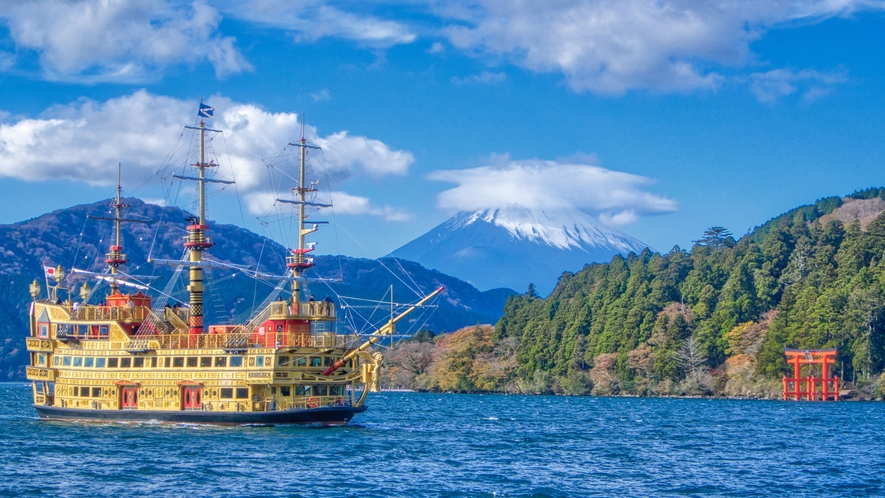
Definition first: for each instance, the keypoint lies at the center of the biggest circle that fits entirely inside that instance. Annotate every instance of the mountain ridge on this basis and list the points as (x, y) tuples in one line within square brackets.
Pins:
[(515, 246)]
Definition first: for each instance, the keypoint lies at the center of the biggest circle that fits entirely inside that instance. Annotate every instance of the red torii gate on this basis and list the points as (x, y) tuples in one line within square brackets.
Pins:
[(829, 386)]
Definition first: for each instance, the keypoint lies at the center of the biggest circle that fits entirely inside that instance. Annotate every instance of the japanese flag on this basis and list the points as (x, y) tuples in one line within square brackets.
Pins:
[(50, 271)]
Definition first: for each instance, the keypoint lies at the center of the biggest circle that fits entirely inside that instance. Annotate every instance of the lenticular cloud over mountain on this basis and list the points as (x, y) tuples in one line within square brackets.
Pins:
[(613, 197), (527, 222)]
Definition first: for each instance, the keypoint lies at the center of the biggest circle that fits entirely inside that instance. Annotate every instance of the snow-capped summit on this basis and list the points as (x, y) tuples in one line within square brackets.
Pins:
[(515, 246)]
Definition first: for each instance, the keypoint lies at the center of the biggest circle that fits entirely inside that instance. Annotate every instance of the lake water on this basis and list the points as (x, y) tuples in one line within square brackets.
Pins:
[(411, 444)]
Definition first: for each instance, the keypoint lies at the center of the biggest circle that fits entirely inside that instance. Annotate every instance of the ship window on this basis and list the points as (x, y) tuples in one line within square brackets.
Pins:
[(320, 390), (41, 359), (259, 361), (315, 361), (168, 361), (44, 330), (66, 361), (125, 362), (283, 361), (301, 362), (55, 361), (89, 362), (336, 390), (84, 392), (302, 390), (100, 362), (78, 361), (327, 361), (205, 361), (285, 391), (96, 392), (191, 361), (154, 362), (82, 330), (103, 330), (236, 361), (242, 392), (138, 362), (227, 393), (178, 362), (112, 362), (220, 361)]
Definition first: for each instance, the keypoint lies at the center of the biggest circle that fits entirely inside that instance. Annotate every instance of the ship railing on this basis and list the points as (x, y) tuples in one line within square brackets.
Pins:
[(256, 339), (306, 310), (301, 403), (88, 312)]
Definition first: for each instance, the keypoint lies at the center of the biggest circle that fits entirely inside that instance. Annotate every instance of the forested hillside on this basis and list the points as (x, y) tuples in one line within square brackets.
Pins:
[(712, 320)]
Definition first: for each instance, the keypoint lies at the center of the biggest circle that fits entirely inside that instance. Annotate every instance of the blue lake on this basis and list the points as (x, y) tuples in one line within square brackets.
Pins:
[(411, 444)]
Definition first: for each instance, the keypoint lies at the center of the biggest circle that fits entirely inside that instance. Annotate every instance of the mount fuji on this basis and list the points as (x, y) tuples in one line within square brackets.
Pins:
[(515, 246)]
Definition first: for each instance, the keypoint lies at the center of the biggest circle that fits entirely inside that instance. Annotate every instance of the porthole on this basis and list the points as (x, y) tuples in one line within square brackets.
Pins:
[(113, 392), (175, 392), (150, 393), (105, 392), (206, 393), (167, 392), (141, 392), (214, 393)]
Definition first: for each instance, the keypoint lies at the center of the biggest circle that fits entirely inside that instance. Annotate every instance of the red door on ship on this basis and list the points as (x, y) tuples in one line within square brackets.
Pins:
[(129, 397), (191, 397)]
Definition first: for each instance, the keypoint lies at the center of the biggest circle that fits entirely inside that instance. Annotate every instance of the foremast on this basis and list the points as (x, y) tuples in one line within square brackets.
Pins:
[(297, 261)]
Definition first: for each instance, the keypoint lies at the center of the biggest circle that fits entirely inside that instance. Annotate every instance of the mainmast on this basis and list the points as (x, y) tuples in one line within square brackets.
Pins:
[(196, 241), (297, 261)]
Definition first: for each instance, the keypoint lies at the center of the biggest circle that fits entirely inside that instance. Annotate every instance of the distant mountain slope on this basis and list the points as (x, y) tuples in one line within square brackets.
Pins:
[(67, 237), (513, 247)]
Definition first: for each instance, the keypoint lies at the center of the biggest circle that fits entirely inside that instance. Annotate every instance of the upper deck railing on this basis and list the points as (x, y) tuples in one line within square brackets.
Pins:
[(253, 340), (109, 313)]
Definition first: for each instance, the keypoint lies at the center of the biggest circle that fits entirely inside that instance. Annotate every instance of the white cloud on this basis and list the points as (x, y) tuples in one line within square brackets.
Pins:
[(436, 48), (613, 46), (321, 95), (119, 40), (483, 78), (772, 85), (351, 204), (615, 197), (310, 20), (85, 140)]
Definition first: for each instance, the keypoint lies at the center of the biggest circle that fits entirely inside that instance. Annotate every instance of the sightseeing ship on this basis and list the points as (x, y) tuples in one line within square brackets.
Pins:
[(135, 358)]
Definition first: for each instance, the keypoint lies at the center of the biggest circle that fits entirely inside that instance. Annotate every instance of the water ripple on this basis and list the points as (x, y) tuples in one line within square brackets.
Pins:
[(411, 444)]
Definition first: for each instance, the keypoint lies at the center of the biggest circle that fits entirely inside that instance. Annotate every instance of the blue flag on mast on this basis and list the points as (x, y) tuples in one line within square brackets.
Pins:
[(206, 111)]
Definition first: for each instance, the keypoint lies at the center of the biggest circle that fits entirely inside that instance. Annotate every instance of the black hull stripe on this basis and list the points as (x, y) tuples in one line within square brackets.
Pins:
[(332, 415)]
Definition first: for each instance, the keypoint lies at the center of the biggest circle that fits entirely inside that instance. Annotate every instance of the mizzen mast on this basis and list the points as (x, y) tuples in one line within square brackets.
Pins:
[(115, 258)]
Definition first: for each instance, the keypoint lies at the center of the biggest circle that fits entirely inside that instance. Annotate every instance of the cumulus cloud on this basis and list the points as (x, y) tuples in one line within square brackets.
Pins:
[(83, 141), (612, 46), (772, 85), (483, 78), (310, 20), (119, 40), (613, 196), (351, 204)]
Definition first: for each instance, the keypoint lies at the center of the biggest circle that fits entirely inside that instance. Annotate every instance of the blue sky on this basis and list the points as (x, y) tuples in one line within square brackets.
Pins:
[(661, 118)]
